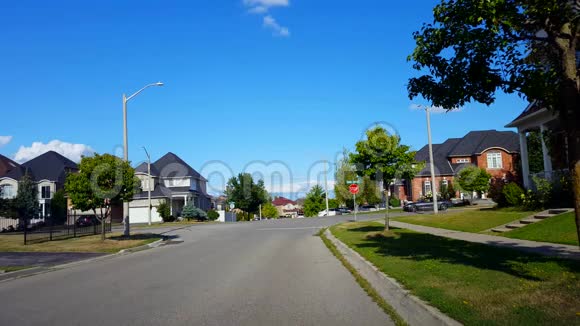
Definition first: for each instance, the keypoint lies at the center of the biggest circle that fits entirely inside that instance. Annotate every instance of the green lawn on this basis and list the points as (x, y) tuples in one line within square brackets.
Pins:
[(472, 283), (557, 229), (468, 220), (114, 243)]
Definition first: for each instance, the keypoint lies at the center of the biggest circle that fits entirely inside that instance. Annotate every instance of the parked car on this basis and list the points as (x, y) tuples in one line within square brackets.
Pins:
[(427, 206), (88, 220), (368, 208), (331, 212), (344, 210)]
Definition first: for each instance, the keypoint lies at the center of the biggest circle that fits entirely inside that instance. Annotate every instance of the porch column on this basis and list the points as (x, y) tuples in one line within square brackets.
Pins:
[(524, 157), (171, 205), (184, 201), (546, 155)]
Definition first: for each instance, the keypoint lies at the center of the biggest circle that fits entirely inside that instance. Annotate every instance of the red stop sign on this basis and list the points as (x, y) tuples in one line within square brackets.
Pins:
[(353, 188)]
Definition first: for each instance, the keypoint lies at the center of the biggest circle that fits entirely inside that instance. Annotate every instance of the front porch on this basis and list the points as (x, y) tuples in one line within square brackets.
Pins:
[(535, 119), (178, 201)]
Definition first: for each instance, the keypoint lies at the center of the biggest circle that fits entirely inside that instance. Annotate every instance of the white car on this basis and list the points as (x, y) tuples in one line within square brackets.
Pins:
[(331, 212)]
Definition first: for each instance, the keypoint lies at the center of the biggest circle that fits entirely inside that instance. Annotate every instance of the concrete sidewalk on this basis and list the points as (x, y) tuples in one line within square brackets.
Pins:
[(542, 248)]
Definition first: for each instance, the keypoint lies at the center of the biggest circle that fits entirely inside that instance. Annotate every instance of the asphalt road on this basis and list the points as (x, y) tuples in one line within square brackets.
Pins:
[(257, 273)]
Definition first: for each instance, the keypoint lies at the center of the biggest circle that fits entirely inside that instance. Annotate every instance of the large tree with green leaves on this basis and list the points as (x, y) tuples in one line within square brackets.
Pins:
[(382, 157), (26, 201), (473, 49), (102, 181), (315, 201), (269, 211), (246, 194)]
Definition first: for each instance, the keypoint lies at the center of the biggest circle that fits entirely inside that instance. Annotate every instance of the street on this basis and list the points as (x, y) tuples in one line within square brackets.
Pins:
[(275, 272)]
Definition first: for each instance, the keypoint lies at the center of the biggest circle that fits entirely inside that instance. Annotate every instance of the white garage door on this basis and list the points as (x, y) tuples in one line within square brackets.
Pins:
[(139, 215)]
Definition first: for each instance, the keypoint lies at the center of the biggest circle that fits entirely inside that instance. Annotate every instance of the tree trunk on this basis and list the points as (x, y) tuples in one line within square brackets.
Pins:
[(387, 219), (569, 107)]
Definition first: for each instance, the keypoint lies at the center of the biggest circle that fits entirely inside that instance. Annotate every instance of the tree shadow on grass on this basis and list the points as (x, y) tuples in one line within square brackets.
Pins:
[(410, 245)]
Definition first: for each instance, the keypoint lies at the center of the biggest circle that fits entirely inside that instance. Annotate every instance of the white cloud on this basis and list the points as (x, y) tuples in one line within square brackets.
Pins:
[(262, 7), (433, 109), (69, 150), (4, 140), (277, 29)]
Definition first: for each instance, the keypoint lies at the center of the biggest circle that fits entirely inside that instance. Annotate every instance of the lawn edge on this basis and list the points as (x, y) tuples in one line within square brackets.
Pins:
[(392, 297), (362, 282), (33, 271)]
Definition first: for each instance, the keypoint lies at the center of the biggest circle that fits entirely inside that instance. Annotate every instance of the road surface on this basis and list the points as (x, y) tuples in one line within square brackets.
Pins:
[(255, 273)]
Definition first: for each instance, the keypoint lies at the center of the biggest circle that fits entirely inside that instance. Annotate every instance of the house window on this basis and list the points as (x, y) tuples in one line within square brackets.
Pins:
[(45, 192), (463, 160), (7, 191), (494, 160), (427, 189)]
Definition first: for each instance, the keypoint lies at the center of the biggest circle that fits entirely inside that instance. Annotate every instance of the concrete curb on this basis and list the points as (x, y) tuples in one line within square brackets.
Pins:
[(141, 248), (412, 309), (42, 270)]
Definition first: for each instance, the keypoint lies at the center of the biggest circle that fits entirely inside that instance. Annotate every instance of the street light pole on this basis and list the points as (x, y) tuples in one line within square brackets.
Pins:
[(126, 222), (432, 164), (326, 186), (148, 184)]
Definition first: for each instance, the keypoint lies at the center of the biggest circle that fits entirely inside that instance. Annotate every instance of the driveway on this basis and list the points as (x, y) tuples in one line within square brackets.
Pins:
[(258, 273)]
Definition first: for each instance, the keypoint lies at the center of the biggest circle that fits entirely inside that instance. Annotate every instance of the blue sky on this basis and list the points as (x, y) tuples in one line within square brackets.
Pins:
[(244, 80)]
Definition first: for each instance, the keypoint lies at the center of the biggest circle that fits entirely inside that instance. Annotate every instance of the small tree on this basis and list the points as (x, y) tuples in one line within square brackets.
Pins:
[(102, 180), (513, 194), (269, 211), (58, 207), (451, 193), (382, 157), (26, 201), (474, 179), (165, 212), (315, 201)]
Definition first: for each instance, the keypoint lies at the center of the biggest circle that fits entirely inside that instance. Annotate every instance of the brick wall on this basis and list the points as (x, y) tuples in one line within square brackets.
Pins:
[(508, 169), (417, 185)]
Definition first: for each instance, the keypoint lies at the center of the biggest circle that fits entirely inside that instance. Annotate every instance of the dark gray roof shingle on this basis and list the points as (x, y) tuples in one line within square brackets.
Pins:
[(172, 166), (475, 142), (50, 166)]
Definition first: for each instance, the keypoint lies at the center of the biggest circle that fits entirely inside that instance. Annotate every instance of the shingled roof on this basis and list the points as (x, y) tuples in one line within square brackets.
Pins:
[(7, 165), (474, 143), (440, 151), (50, 166), (171, 166)]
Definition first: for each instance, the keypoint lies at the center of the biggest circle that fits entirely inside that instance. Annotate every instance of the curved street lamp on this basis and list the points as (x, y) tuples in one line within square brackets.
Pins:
[(127, 230)]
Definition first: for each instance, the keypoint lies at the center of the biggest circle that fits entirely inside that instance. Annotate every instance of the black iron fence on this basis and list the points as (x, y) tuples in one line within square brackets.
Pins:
[(46, 229)]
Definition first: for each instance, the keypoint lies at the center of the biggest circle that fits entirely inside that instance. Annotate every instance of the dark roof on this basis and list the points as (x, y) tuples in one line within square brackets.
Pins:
[(475, 142), (50, 166), (142, 168), (530, 109), (172, 166), (440, 153), (7, 165)]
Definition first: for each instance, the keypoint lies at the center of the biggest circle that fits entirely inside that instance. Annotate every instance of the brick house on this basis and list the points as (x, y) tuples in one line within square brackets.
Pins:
[(495, 151), (287, 207)]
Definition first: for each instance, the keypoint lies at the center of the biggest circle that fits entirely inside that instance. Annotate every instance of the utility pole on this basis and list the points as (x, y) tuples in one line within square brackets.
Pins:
[(432, 163), (148, 184), (326, 186)]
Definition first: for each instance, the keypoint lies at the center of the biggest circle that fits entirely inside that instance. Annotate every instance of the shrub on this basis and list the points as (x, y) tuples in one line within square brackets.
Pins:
[(395, 202), (212, 215), (496, 190), (165, 212), (512, 194), (530, 201), (543, 191), (191, 212)]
